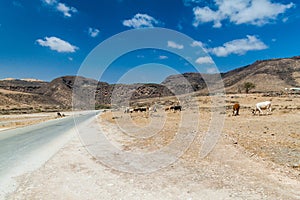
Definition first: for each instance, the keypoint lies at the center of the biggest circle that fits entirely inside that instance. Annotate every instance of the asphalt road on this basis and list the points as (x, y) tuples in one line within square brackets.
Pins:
[(23, 149)]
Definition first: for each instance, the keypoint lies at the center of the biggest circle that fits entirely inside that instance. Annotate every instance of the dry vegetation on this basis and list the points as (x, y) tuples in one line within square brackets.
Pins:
[(273, 137)]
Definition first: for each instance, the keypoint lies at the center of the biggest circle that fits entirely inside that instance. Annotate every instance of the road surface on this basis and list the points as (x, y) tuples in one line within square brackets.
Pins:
[(25, 149)]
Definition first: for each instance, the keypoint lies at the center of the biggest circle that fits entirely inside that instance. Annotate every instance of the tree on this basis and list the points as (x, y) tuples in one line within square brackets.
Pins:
[(248, 86)]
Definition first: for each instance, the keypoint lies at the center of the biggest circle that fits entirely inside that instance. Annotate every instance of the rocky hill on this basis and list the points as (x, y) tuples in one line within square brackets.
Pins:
[(21, 85), (21, 96), (28, 96), (267, 75)]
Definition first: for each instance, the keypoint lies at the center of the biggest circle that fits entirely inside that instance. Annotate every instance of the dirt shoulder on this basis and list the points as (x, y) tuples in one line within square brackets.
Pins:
[(19, 120)]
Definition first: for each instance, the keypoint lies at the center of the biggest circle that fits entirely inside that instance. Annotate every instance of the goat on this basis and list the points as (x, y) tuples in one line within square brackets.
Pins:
[(236, 109), (266, 105), (128, 110)]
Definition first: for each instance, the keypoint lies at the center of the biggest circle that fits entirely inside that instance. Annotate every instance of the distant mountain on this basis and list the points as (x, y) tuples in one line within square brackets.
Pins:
[(28, 95)]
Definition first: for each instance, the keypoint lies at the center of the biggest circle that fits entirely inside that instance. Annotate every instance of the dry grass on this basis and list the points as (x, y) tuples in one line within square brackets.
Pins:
[(274, 137)]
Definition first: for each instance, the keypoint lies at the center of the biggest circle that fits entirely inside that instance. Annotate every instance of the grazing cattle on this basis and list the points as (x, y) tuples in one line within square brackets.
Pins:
[(236, 109), (141, 109), (128, 110), (174, 108), (266, 105)]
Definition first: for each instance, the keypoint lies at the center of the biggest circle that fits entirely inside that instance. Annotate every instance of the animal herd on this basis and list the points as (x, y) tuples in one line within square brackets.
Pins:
[(137, 109), (265, 105), (173, 108), (259, 107)]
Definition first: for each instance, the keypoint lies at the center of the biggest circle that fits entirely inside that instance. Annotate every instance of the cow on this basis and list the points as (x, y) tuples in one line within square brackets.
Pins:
[(236, 109), (266, 105), (175, 108)]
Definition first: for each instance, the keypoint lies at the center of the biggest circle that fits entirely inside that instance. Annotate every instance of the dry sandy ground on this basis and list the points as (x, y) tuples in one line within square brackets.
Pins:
[(19, 120), (256, 157)]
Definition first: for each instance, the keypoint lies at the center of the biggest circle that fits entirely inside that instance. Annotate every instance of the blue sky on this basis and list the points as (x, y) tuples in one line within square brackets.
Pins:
[(45, 39)]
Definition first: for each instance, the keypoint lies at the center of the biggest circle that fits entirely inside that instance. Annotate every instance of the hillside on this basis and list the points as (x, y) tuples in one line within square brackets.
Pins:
[(20, 96), (268, 76), (27, 95)]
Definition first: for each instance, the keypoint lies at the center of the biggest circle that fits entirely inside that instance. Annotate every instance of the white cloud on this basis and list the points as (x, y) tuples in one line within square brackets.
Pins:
[(141, 21), (163, 57), (50, 2), (66, 10), (197, 44), (174, 45), (255, 12), (61, 7), (57, 44), (93, 32), (204, 60), (239, 46), (203, 15), (203, 46)]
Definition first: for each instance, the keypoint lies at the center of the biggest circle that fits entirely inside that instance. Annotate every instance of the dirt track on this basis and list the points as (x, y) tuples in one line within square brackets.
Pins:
[(257, 157)]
